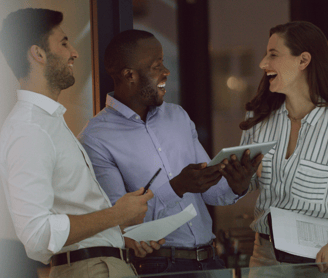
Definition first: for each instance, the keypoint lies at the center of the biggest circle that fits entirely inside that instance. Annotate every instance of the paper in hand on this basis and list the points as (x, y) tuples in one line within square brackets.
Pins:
[(160, 228)]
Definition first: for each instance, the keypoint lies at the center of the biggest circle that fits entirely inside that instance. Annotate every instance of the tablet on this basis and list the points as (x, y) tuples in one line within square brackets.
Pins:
[(255, 149)]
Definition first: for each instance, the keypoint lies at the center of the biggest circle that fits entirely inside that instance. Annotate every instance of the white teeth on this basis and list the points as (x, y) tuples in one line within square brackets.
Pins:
[(161, 85), (70, 65), (271, 73)]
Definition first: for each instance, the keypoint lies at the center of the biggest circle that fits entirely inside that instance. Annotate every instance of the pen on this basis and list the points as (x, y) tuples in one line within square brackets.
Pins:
[(151, 180)]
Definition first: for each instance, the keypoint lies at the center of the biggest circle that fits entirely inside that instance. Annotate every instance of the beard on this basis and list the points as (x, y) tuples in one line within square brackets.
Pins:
[(149, 92), (57, 73)]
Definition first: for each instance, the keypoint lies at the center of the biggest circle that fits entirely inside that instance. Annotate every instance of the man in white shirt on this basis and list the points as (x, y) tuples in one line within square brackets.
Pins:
[(59, 211)]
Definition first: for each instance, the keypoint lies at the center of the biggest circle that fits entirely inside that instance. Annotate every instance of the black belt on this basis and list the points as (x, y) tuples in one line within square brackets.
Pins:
[(88, 253), (198, 254), (265, 236)]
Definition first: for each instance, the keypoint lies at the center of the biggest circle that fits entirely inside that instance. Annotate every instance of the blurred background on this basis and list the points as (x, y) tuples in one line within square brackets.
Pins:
[(212, 48)]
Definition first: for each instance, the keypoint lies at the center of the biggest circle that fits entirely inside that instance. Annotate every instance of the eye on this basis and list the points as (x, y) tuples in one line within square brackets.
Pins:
[(64, 44)]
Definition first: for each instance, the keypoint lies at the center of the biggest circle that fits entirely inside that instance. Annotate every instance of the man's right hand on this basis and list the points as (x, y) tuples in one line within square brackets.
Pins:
[(196, 178), (133, 206)]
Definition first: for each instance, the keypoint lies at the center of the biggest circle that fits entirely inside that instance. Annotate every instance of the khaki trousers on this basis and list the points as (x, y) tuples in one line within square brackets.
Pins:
[(101, 267), (263, 255)]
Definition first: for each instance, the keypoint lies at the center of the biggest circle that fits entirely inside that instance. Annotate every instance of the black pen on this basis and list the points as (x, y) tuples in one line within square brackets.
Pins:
[(151, 181)]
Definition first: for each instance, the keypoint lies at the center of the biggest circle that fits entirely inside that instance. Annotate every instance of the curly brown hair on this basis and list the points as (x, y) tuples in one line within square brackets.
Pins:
[(299, 37)]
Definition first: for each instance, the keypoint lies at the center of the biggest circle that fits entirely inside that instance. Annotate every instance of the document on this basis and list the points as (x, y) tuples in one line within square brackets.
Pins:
[(160, 228), (298, 234)]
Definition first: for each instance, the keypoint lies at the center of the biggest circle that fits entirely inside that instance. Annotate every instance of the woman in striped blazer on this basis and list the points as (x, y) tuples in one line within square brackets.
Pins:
[(291, 107)]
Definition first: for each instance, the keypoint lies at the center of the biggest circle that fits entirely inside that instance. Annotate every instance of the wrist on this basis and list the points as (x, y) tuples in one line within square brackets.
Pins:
[(176, 188)]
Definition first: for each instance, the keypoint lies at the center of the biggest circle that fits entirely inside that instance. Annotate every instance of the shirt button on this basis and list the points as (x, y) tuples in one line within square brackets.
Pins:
[(177, 203), (160, 149), (137, 117), (190, 224), (170, 174)]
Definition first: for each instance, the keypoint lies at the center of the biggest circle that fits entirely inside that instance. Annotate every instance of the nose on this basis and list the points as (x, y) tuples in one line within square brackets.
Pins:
[(74, 53), (166, 71), (264, 63)]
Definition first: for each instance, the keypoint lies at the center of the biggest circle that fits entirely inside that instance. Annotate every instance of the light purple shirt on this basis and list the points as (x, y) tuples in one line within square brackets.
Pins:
[(126, 152)]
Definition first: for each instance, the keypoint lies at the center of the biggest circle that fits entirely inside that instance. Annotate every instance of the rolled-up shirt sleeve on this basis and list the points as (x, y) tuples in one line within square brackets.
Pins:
[(29, 162)]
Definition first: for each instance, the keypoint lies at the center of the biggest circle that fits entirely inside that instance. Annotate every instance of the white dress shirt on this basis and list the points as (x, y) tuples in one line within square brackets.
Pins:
[(46, 175), (299, 183)]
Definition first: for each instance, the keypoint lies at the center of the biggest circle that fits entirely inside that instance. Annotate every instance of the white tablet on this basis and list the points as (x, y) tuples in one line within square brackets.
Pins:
[(255, 149)]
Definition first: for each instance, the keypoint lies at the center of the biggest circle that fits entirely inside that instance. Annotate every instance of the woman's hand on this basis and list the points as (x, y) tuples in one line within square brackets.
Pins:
[(322, 257)]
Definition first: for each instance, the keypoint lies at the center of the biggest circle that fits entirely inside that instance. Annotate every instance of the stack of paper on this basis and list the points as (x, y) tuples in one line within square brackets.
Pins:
[(298, 234)]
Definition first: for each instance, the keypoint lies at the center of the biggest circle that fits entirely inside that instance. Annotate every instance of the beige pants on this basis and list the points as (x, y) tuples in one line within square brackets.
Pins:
[(101, 267), (263, 253)]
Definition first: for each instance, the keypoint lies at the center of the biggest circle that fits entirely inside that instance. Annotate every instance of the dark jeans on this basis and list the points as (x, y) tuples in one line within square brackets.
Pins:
[(154, 265)]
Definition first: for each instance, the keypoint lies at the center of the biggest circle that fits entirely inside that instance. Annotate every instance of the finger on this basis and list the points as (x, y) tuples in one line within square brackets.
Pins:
[(146, 247), (228, 167), (245, 160), (155, 245), (318, 261), (148, 195), (257, 160), (198, 166), (161, 241), (259, 170), (211, 176), (236, 164), (139, 252), (138, 192)]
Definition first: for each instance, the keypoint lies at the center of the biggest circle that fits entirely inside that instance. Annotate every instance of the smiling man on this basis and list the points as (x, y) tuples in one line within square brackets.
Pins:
[(138, 133), (59, 211)]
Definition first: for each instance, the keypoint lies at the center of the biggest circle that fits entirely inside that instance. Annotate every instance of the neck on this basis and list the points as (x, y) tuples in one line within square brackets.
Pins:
[(40, 86), (298, 107), (123, 95)]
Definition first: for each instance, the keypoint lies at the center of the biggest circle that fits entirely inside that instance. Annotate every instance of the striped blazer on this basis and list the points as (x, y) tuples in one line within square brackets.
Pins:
[(298, 183)]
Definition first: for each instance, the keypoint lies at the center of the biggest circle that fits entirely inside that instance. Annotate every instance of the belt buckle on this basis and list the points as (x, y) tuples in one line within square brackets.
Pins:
[(201, 254)]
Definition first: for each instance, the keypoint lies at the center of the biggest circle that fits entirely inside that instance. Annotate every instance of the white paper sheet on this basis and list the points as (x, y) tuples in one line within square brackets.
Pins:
[(298, 234), (158, 229)]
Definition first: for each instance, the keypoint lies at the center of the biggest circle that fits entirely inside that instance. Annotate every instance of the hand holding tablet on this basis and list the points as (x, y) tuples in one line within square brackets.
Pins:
[(255, 150)]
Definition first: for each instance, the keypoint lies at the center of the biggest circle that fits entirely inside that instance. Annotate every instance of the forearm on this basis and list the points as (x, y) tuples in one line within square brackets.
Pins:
[(87, 225)]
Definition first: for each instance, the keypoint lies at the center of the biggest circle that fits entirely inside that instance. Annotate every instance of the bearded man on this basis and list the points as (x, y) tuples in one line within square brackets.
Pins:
[(59, 211)]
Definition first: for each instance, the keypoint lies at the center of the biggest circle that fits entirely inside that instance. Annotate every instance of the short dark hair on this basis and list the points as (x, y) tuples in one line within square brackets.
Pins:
[(22, 29), (299, 37), (120, 52)]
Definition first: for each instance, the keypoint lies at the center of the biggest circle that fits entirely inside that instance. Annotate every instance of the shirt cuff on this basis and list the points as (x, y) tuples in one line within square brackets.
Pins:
[(167, 195), (229, 194), (59, 231)]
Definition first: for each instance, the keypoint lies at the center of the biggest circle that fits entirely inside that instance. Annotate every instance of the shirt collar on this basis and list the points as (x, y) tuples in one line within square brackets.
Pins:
[(127, 112), (42, 101), (311, 118)]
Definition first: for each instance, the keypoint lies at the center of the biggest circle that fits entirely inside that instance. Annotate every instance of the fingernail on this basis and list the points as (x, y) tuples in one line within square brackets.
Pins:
[(233, 157), (248, 152), (222, 166)]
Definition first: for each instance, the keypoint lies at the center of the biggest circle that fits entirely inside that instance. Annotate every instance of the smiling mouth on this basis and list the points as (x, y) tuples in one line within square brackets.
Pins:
[(271, 76), (161, 86)]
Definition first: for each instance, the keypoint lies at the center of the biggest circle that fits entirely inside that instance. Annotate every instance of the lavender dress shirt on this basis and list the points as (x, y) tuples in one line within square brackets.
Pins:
[(126, 152)]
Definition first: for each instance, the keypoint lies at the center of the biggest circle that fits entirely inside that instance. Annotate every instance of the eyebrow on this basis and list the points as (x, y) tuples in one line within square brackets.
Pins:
[(64, 39)]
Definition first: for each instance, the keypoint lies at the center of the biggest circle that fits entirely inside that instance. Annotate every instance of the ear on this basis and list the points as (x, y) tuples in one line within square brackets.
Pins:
[(128, 74), (38, 54), (305, 60)]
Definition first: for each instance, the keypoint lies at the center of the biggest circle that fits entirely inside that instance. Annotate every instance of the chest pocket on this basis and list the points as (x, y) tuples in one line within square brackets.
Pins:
[(266, 174), (310, 182)]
